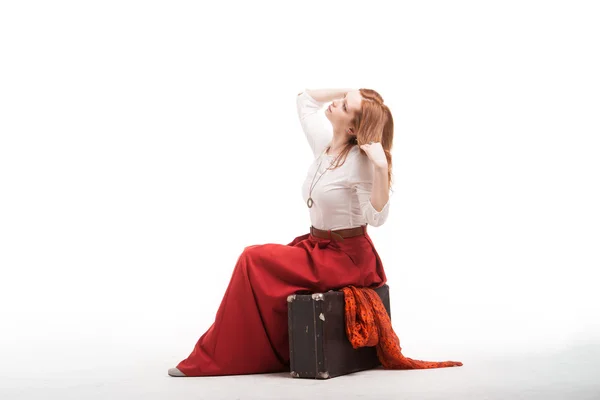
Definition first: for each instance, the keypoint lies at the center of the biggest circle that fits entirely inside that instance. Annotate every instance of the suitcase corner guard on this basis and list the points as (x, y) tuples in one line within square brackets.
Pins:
[(317, 296), (324, 375)]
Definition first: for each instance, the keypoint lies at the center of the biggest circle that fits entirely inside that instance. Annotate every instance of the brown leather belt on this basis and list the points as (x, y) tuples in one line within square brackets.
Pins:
[(339, 234)]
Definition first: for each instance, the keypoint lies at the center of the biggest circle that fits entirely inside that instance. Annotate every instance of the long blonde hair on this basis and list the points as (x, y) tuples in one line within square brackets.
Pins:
[(373, 122)]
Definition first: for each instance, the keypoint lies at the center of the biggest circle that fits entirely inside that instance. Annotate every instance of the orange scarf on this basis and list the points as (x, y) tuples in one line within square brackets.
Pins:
[(368, 324)]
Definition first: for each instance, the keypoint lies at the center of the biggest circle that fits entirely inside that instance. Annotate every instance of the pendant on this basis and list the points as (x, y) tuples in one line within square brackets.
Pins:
[(309, 203)]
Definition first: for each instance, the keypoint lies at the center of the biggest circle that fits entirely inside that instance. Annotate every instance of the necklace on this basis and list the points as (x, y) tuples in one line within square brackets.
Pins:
[(310, 201)]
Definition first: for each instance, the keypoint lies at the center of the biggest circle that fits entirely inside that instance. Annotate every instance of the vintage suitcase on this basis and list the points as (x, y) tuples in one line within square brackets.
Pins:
[(319, 346)]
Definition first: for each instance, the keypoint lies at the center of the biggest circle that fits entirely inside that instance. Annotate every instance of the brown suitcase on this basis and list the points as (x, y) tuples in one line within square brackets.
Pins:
[(319, 346)]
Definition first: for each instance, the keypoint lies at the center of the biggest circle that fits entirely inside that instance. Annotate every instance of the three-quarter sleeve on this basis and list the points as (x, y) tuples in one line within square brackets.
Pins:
[(361, 182), (316, 126)]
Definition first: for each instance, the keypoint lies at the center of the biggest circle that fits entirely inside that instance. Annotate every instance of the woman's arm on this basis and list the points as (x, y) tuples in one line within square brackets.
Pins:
[(326, 95), (380, 194), (314, 123), (371, 186)]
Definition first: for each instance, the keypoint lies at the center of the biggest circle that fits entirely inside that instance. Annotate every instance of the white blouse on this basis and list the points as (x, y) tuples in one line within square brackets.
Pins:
[(342, 196)]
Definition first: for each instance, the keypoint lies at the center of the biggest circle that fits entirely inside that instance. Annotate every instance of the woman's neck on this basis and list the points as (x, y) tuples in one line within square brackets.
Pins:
[(337, 145)]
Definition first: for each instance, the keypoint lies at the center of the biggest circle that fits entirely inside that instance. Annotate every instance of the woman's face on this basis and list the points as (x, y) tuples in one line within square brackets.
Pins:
[(341, 111)]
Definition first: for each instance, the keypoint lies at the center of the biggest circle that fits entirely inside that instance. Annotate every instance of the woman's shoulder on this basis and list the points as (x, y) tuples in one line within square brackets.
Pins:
[(361, 164), (356, 159), (358, 156)]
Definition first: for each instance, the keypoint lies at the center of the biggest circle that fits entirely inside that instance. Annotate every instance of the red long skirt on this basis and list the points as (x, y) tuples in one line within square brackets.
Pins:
[(250, 331)]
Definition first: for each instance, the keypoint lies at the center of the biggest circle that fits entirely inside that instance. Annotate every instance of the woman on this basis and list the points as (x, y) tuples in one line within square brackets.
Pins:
[(347, 187)]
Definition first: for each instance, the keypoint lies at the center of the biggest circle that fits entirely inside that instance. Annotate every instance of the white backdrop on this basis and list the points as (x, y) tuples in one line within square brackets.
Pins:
[(143, 145)]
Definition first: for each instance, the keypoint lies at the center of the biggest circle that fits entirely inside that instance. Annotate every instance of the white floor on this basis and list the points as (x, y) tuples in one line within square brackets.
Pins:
[(571, 375)]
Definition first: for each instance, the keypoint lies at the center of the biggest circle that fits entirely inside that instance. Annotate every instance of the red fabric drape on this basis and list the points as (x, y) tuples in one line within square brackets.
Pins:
[(249, 333), (368, 324)]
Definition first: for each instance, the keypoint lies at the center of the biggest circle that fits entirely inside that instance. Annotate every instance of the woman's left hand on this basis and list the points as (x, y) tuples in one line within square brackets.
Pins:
[(376, 154)]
